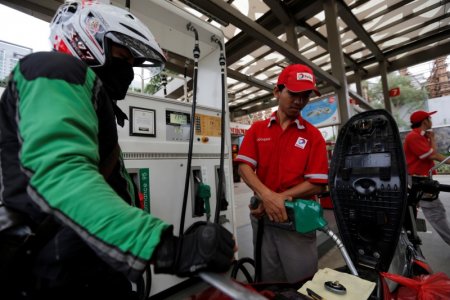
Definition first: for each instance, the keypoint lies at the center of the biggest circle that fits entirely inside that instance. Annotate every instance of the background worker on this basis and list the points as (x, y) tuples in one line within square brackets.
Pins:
[(421, 152), (60, 164), (284, 158)]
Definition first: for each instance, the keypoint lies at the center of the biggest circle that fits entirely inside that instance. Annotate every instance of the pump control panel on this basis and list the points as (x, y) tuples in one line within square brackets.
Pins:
[(177, 126)]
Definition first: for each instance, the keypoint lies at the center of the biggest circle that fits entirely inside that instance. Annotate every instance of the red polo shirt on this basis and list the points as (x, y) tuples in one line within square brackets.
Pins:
[(417, 152), (283, 159)]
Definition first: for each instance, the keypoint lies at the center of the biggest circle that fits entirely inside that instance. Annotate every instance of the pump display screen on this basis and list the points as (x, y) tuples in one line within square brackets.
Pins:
[(177, 118)]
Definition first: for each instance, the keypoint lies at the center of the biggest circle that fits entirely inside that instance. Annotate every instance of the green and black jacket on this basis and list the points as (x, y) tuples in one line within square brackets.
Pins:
[(59, 156)]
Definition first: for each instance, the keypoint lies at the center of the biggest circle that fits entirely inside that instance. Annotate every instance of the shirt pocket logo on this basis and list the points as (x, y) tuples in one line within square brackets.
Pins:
[(301, 143)]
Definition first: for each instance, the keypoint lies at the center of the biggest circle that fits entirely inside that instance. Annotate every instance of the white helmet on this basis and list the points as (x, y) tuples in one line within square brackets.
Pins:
[(85, 29)]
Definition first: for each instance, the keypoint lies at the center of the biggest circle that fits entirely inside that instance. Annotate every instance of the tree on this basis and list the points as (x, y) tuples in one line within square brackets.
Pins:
[(411, 97), (153, 85)]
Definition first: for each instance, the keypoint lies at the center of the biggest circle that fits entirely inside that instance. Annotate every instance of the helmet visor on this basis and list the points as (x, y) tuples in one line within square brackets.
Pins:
[(144, 55)]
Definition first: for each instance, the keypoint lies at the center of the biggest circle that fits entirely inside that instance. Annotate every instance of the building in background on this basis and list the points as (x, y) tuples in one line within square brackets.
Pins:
[(9, 56), (438, 83)]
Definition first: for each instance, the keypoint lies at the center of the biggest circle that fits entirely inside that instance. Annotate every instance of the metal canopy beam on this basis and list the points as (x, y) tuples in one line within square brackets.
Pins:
[(36, 10), (337, 58), (243, 44), (322, 41), (264, 98), (285, 18), (436, 36), (349, 18), (250, 80), (278, 10), (227, 12), (407, 61), (265, 105)]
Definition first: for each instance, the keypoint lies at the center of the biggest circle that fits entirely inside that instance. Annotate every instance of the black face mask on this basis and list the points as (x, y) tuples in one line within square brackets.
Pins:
[(116, 75)]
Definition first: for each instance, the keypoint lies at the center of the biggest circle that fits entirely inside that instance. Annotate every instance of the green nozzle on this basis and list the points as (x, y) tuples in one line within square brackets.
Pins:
[(308, 215)]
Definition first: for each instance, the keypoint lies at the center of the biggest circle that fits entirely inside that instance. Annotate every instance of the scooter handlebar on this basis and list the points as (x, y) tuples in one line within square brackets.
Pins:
[(444, 188)]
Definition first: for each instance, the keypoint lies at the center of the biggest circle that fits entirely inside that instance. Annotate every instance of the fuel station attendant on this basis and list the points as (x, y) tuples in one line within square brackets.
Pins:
[(284, 158), (420, 153)]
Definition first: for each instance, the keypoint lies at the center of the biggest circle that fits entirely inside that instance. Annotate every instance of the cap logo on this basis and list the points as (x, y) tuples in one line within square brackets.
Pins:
[(304, 76)]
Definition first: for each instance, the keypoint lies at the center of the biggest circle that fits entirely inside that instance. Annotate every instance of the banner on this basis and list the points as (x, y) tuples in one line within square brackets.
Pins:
[(323, 112)]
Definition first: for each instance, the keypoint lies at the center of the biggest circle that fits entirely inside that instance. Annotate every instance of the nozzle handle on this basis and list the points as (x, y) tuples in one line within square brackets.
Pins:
[(254, 202), (308, 215)]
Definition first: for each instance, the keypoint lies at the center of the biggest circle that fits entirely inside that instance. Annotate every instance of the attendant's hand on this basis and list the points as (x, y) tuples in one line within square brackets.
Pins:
[(274, 206)]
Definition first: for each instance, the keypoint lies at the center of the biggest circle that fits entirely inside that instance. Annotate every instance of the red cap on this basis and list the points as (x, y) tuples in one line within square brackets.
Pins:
[(420, 115), (298, 78)]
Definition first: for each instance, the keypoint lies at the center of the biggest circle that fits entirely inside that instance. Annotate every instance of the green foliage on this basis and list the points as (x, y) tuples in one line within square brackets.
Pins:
[(444, 169), (411, 97), (153, 85)]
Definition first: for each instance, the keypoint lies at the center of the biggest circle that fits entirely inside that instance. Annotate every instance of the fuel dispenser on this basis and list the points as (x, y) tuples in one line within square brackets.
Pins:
[(158, 165), (155, 140)]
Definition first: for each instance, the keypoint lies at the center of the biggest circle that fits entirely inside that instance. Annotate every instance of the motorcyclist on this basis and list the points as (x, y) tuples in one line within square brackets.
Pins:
[(61, 164)]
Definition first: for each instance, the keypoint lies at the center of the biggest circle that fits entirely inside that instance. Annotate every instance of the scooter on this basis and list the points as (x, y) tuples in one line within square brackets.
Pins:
[(372, 206), (369, 191)]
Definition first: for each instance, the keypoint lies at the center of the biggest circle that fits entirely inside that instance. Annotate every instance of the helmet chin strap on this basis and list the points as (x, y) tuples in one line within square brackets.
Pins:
[(120, 115)]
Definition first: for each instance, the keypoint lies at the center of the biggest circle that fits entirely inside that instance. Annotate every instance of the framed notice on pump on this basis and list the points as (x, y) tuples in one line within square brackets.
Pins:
[(142, 122)]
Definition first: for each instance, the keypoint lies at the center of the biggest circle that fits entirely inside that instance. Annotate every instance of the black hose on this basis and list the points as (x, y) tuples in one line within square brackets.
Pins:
[(185, 82), (239, 266), (220, 189), (164, 83), (196, 52)]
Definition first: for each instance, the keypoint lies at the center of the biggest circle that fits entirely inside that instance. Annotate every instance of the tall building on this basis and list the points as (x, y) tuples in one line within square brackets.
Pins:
[(438, 84), (9, 56)]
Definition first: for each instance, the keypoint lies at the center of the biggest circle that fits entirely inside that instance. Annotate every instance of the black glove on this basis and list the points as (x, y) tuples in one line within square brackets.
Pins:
[(203, 247)]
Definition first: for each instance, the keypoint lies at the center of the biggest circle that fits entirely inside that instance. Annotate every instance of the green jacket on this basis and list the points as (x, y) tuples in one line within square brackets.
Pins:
[(59, 155)]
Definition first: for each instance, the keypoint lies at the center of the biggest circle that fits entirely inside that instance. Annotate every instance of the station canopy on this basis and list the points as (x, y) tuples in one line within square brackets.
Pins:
[(264, 36)]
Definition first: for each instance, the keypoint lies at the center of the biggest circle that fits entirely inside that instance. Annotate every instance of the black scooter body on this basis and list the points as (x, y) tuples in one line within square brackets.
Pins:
[(368, 185)]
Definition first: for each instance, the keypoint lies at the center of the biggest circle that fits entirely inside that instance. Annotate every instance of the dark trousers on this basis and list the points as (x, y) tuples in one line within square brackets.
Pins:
[(65, 268)]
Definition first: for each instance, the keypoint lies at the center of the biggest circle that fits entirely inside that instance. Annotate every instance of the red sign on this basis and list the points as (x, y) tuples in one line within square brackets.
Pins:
[(238, 131), (394, 92)]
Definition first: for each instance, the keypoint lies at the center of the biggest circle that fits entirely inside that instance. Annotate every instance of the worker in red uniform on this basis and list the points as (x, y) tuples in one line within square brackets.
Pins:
[(284, 158), (421, 152)]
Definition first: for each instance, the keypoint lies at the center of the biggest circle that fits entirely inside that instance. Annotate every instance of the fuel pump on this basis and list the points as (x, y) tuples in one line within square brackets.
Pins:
[(161, 132)]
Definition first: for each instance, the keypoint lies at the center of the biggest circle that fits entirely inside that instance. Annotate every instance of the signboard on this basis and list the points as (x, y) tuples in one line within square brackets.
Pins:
[(144, 183), (394, 92), (322, 112), (238, 128)]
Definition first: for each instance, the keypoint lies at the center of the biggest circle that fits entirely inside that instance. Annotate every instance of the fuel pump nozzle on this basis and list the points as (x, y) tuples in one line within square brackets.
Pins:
[(305, 216)]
